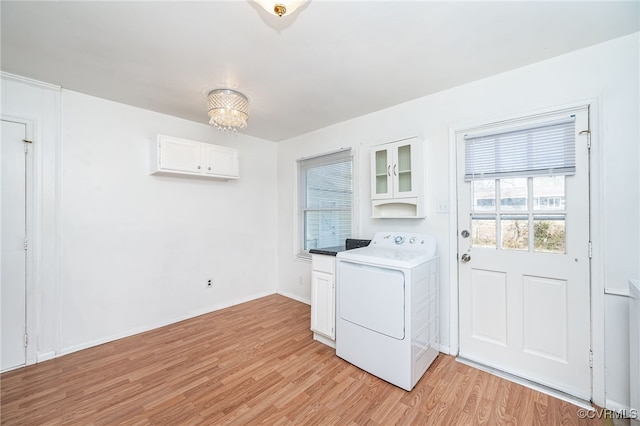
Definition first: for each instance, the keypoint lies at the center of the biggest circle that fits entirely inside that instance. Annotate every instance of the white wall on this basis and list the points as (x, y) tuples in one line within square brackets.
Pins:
[(607, 73), (135, 251)]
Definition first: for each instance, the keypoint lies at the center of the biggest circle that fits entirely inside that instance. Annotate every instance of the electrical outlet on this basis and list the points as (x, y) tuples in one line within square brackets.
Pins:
[(443, 206), (209, 283)]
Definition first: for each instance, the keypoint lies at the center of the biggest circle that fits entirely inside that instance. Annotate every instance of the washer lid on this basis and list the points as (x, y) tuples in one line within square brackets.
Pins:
[(385, 257), (397, 249)]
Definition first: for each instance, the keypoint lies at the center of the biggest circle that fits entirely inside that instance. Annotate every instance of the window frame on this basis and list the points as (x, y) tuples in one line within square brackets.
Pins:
[(300, 189)]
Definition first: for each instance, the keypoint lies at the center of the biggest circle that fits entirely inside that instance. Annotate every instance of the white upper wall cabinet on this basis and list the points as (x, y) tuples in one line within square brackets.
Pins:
[(175, 156), (397, 179)]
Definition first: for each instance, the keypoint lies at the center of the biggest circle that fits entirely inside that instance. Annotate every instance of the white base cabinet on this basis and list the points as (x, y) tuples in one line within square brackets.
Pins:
[(323, 296), (176, 156)]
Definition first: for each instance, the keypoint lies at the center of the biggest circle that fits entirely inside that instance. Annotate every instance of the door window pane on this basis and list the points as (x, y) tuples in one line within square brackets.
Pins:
[(484, 195), (483, 231), (549, 233), (548, 193), (513, 194), (515, 232), (521, 200)]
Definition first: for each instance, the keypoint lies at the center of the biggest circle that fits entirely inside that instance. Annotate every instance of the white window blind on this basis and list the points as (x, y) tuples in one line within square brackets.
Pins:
[(325, 199), (546, 149)]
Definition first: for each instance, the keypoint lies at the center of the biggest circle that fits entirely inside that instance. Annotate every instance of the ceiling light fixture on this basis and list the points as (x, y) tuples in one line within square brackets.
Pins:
[(280, 7), (228, 109)]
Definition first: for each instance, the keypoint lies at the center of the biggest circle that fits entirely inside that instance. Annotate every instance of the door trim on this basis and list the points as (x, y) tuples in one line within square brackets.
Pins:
[(595, 213), (31, 235)]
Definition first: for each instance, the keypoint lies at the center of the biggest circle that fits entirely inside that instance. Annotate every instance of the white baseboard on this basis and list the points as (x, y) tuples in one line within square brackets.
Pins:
[(294, 297), (149, 327), (325, 340), (445, 350), (45, 356), (622, 414), (616, 406)]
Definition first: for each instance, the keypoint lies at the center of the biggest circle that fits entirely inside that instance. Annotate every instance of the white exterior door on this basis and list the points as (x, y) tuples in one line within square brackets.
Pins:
[(13, 232), (523, 265)]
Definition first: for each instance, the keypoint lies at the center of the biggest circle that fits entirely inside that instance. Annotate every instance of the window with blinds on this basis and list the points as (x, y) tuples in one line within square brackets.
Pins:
[(325, 200), (518, 185), (547, 149)]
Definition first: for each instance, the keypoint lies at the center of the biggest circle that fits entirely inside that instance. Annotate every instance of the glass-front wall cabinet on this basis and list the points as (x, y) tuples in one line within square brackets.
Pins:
[(396, 179), (393, 166)]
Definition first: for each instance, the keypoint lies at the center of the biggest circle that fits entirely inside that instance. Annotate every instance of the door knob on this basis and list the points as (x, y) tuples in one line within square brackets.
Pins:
[(465, 234), (465, 258)]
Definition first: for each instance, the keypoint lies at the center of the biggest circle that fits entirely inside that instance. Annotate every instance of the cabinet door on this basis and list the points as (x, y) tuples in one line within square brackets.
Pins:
[(221, 161), (404, 159), (323, 304), (381, 165), (180, 155)]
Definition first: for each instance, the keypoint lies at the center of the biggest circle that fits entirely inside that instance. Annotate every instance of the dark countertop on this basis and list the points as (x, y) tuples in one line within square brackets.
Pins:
[(329, 251), (349, 244)]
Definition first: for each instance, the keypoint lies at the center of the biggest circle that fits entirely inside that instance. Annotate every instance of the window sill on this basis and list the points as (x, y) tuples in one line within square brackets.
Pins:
[(302, 257)]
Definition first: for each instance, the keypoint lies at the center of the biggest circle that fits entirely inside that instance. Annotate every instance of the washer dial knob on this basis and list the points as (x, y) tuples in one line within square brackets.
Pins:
[(399, 239)]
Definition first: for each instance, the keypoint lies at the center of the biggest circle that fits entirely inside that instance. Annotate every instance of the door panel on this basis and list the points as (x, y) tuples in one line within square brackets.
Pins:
[(524, 285), (489, 306), (13, 251), (545, 317)]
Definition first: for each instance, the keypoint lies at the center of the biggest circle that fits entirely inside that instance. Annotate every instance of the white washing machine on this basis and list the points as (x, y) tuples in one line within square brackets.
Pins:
[(387, 306)]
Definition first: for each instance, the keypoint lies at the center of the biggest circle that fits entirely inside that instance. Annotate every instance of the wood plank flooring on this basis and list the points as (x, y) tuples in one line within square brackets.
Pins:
[(256, 363)]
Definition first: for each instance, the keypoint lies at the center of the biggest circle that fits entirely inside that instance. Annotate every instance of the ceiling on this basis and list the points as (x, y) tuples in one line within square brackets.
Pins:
[(328, 62)]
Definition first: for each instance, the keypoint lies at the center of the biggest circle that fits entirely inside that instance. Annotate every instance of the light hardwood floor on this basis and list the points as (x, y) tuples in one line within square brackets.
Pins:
[(256, 363)]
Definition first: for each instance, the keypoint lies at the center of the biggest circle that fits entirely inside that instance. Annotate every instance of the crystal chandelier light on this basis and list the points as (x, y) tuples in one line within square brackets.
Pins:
[(280, 7), (228, 109)]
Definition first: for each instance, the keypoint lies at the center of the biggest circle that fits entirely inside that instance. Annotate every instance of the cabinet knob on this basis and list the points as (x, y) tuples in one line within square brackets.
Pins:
[(198, 167), (209, 168)]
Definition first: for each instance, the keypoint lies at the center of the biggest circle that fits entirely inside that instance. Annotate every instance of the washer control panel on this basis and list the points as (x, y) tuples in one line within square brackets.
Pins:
[(399, 240)]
